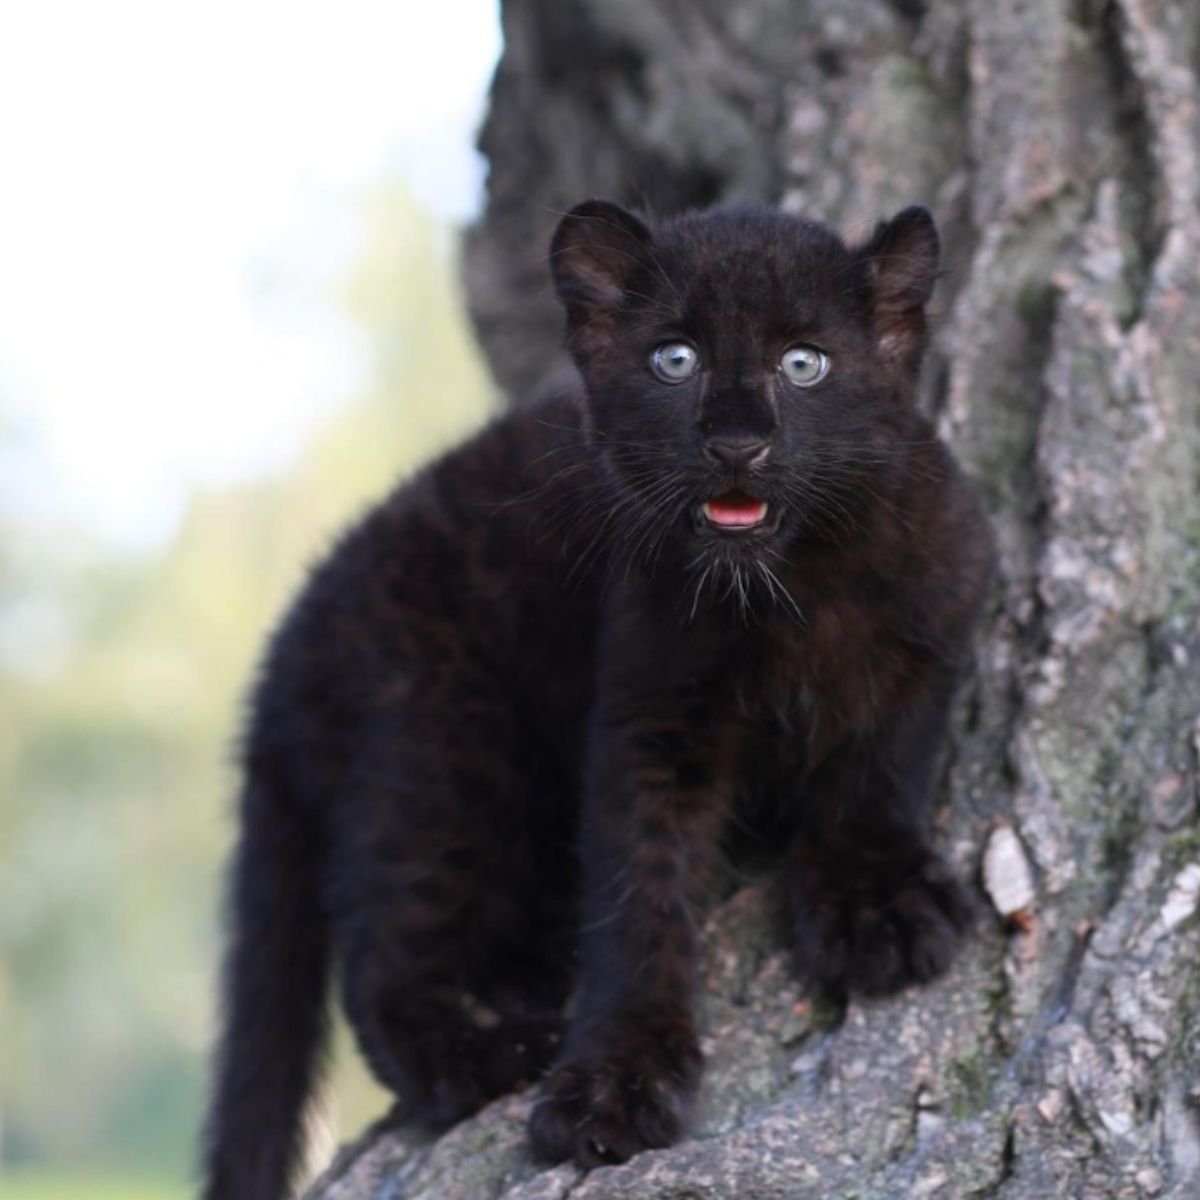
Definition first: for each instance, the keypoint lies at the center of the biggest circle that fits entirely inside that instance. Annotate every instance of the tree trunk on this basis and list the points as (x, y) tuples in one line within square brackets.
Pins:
[(1056, 141)]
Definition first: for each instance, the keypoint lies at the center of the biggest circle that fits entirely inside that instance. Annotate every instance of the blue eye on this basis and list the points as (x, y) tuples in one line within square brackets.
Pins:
[(804, 365), (673, 362)]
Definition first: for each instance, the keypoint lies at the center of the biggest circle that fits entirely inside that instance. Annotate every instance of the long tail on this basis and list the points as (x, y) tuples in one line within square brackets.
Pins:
[(274, 1015)]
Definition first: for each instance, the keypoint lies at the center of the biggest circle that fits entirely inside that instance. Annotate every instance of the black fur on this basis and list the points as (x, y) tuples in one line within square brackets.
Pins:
[(502, 743)]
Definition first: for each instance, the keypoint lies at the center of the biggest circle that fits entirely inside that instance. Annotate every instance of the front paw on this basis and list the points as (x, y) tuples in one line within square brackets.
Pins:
[(605, 1108), (872, 924)]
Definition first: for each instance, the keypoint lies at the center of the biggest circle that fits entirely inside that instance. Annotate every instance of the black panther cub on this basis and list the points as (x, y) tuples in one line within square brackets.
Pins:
[(503, 739)]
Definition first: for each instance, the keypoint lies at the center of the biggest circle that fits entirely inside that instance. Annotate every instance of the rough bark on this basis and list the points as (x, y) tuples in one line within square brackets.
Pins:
[(1057, 142)]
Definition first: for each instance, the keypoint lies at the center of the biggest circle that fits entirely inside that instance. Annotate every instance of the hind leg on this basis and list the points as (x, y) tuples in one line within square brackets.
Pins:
[(443, 1053), (454, 910)]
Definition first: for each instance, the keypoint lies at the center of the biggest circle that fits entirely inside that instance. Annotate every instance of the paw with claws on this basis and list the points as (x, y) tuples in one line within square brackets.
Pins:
[(604, 1108), (873, 924)]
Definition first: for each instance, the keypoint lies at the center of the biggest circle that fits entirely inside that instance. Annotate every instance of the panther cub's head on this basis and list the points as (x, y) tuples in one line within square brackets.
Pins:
[(749, 376)]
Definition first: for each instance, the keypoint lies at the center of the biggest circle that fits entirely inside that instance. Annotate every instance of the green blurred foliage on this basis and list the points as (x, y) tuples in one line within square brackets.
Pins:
[(116, 749), (43, 1184)]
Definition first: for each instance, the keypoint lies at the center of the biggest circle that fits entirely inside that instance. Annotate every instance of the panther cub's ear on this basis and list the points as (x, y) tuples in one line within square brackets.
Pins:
[(597, 249), (901, 260)]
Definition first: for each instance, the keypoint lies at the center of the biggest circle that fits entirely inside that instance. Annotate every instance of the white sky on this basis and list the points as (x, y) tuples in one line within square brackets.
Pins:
[(161, 163)]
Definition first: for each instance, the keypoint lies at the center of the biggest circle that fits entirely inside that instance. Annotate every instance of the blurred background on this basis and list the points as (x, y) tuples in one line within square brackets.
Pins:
[(229, 317)]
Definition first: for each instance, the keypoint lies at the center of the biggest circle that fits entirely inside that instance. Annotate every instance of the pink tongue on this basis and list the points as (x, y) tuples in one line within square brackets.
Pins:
[(741, 511)]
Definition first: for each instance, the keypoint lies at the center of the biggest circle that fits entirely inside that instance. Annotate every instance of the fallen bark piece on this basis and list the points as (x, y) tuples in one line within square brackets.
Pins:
[(1008, 877), (1183, 897)]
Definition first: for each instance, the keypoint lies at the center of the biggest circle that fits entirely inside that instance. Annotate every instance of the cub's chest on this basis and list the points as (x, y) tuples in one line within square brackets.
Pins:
[(826, 678)]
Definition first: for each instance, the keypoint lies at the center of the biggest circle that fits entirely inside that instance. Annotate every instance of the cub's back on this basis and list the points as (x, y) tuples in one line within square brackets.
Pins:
[(485, 563)]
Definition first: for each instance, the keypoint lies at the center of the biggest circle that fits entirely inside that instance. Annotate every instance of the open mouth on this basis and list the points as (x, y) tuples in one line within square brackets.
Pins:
[(734, 511)]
